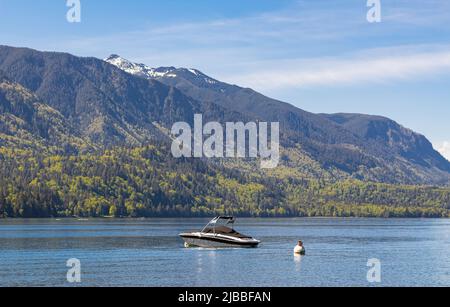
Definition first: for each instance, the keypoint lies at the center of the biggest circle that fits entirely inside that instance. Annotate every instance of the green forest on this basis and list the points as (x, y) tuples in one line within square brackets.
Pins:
[(146, 182), (81, 138)]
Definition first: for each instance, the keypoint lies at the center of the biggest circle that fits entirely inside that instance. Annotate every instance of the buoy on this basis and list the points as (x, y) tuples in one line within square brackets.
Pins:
[(300, 249)]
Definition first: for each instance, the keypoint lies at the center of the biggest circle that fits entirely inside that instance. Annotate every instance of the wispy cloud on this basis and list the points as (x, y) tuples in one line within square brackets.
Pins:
[(271, 34), (444, 149), (431, 13), (347, 70), (307, 44)]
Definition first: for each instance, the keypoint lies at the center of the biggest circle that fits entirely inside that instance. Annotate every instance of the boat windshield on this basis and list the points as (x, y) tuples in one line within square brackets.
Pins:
[(219, 222), (223, 230)]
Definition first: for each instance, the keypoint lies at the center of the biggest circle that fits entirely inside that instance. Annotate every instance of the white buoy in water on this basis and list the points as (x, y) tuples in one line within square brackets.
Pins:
[(300, 249)]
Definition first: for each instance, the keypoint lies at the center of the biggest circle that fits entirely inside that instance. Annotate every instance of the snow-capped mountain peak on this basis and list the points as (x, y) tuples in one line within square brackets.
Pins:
[(158, 73), (120, 62), (139, 69)]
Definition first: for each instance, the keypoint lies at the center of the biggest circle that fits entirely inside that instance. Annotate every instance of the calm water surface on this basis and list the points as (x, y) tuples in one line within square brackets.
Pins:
[(149, 253)]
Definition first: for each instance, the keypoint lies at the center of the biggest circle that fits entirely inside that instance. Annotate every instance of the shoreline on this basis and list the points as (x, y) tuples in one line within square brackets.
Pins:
[(239, 217)]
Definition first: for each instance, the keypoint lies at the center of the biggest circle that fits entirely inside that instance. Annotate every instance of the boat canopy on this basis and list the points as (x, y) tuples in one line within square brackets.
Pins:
[(219, 220), (228, 218)]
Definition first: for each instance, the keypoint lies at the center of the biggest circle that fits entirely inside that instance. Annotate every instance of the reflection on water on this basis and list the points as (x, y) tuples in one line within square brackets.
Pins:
[(150, 253), (298, 262)]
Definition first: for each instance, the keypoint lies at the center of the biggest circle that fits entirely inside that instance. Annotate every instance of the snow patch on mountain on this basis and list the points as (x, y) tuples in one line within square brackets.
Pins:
[(139, 69), (157, 73), (193, 71)]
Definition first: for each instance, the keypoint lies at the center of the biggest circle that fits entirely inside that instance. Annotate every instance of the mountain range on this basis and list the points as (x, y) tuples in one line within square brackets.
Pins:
[(77, 102), (362, 146)]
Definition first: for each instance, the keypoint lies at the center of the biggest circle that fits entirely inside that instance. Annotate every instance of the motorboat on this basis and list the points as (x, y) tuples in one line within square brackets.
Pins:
[(218, 233)]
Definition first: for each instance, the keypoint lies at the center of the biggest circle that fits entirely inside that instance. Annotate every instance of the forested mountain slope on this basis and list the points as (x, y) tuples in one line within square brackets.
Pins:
[(403, 157), (81, 137)]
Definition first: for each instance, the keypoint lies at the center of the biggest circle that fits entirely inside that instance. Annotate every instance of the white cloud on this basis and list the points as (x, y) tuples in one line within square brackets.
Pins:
[(346, 70), (308, 44), (444, 149), (293, 35)]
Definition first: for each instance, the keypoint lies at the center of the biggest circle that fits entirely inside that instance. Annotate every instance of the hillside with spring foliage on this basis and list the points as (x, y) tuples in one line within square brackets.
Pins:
[(82, 137)]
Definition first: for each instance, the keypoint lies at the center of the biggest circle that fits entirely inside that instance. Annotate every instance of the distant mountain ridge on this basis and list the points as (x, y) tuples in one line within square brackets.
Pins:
[(143, 70), (119, 103), (407, 143), (382, 137)]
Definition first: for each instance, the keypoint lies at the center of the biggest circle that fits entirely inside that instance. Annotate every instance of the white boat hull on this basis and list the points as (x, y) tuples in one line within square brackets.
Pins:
[(218, 241)]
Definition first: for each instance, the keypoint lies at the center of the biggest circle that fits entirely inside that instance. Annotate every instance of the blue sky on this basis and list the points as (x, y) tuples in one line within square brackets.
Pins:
[(320, 55)]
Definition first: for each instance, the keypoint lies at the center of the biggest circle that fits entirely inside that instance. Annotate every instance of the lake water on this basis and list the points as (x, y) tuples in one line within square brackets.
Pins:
[(149, 253)]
